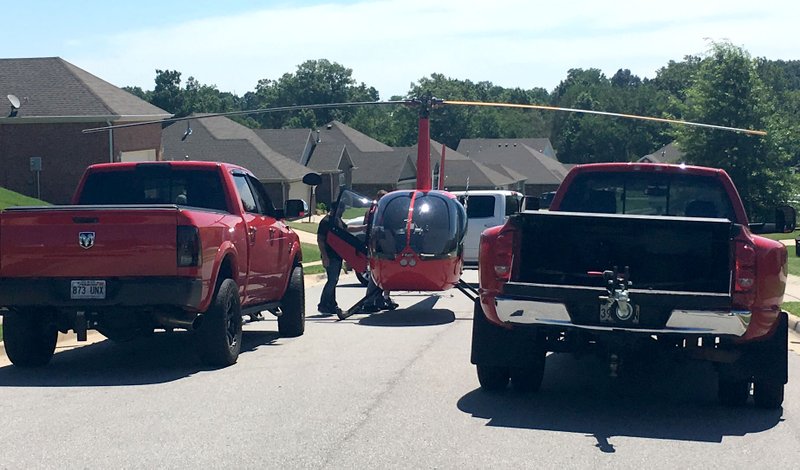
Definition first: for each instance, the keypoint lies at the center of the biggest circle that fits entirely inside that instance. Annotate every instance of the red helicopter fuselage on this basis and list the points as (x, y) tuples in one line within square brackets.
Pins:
[(415, 238)]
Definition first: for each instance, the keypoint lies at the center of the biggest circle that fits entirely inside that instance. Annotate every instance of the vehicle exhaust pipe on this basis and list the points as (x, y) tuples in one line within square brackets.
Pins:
[(189, 322)]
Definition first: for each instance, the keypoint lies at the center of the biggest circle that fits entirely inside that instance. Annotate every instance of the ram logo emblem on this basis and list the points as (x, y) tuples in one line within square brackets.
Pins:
[(86, 239)]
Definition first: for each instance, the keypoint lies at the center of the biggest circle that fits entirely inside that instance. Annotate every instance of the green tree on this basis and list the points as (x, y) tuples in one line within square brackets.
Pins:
[(167, 93), (587, 138), (727, 90), (314, 82)]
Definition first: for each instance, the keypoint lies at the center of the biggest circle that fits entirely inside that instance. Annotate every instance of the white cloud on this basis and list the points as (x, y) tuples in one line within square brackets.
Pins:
[(391, 43)]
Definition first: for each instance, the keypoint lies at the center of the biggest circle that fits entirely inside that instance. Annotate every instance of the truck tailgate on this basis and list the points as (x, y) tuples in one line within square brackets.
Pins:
[(88, 241), (662, 253)]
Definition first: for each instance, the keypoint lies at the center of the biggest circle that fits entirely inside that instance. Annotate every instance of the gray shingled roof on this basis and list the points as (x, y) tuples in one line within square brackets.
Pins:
[(540, 144), (221, 139), (669, 153), (289, 142), (459, 168), (52, 88), (516, 155), (374, 161)]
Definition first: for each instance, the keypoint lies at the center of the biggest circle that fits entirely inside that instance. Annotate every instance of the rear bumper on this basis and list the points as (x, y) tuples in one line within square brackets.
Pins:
[(120, 292), (684, 322), (660, 312)]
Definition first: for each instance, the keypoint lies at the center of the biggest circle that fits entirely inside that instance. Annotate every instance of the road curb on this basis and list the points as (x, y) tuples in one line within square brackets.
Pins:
[(794, 323)]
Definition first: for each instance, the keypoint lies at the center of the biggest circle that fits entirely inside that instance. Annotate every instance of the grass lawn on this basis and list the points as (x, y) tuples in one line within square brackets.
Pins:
[(783, 236), (1, 332), (792, 307), (310, 252), (316, 269), (310, 227), (10, 198)]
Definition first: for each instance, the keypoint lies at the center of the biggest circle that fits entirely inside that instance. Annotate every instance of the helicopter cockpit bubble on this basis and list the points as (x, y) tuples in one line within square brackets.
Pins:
[(431, 224)]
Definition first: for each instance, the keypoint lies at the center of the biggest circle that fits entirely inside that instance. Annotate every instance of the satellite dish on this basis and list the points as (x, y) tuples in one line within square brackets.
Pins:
[(312, 179), (14, 101)]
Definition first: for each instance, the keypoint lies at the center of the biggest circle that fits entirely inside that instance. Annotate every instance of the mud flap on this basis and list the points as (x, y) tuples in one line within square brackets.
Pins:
[(496, 346), (764, 360)]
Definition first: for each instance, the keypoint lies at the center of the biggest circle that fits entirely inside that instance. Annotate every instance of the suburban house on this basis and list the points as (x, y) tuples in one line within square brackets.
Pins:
[(43, 151), (462, 173), (669, 153), (329, 158), (222, 139), (376, 166), (542, 171)]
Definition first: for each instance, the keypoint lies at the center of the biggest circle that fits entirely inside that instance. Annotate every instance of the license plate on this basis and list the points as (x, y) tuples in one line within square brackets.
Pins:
[(88, 289)]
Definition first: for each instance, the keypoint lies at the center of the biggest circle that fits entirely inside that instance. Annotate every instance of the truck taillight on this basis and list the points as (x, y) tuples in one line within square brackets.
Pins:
[(504, 255), (744, 274), (188, 244), (497, 254)]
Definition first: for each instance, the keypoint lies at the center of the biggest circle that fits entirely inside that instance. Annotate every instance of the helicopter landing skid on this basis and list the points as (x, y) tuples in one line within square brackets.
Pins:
[(359, 306), (468, 290)]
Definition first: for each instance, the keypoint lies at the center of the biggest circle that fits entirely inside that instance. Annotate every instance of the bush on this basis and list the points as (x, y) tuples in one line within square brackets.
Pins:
[(321, 208)]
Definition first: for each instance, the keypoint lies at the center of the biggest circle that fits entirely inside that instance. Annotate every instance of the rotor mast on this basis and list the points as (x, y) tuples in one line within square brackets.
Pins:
[(425, 104)]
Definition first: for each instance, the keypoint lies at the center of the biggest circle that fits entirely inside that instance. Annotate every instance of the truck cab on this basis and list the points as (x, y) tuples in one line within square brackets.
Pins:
[(485, 209)]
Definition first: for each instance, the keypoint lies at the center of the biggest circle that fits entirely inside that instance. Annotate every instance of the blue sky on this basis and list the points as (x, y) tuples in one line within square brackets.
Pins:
[(389, 43)]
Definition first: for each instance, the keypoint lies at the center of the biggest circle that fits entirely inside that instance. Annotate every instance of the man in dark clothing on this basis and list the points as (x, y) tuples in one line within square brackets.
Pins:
[(332, 263)]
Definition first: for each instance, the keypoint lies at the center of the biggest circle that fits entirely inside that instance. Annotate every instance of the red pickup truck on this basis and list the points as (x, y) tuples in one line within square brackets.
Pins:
[(189, 245), (633, 260)]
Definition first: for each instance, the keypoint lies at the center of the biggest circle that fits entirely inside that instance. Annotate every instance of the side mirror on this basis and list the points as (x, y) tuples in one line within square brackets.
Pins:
[(785, 222), (312, 179), (294, 209), (785, 219)]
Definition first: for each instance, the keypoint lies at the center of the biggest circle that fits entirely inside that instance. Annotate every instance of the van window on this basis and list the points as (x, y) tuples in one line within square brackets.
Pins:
[(513, 204), (480, 207)]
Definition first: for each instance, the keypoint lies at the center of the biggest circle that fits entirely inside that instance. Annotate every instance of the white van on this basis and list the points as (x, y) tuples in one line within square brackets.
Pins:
[(485, 208)]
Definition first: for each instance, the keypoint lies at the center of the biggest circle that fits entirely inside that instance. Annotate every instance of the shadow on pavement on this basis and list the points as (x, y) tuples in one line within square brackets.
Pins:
[(421, 313), (163, 357), (675, 401)]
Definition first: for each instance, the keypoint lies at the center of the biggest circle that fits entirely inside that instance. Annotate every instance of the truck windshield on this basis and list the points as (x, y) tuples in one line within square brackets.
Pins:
[(193, 188), (648, 194)]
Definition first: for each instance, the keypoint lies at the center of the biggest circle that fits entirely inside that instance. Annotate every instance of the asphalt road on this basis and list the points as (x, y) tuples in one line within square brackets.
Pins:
[(392, 390)]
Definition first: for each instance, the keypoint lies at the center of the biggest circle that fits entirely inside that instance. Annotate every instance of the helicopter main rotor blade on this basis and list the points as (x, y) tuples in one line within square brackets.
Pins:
[(605, 113), (252, 111)]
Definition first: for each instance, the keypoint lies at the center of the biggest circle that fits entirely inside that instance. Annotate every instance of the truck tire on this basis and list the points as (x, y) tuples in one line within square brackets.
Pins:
[(220, 333), (492, 378), (768, 394), (528, 379), (30, 337), (733, 392), (292, 321)]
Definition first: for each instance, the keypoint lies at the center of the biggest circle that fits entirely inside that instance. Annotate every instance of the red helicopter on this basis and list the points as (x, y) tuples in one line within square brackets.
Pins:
[(414, 238)]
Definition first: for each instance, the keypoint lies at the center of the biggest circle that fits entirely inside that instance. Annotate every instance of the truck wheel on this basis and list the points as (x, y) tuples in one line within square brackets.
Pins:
[(492, 378), (768, 394), (30, 337), (220, 332), (292, 321), (733, 392), (528, 379)]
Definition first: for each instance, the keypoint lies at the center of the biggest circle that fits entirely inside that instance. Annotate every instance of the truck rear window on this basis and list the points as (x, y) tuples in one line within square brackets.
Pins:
[(193, 188), (648, 194)]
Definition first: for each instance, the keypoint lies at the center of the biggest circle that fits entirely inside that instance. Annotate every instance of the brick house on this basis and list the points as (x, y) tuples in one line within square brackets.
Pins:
[(56, 102)]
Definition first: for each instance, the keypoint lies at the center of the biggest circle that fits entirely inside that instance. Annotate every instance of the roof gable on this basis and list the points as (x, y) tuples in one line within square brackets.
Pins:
[(222, 139), (51, 87)]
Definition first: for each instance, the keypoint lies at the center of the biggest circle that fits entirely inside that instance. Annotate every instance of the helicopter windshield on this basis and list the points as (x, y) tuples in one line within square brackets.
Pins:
[(436, 228)]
